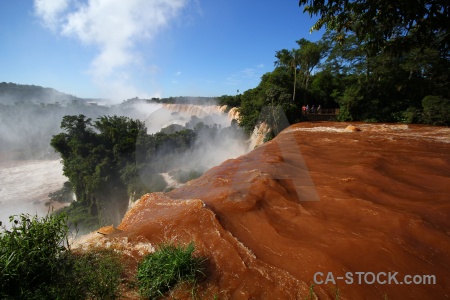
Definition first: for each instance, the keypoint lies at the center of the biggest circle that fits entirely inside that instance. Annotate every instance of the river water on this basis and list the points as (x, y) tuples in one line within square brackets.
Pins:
[(25, 185)]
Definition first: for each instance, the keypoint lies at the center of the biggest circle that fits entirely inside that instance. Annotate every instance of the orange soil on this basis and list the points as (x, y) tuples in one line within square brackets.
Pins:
[(317, 198)]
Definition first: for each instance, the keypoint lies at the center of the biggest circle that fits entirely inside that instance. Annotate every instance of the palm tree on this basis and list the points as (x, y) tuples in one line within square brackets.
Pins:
[(309, 55), (291, 60)]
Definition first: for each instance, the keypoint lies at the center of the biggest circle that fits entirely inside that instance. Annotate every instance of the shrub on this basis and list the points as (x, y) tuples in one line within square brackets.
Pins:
[(436, 110), (64, 194), (168, 266), (95, 274), (29, 253), (36, 264), (79, 218), (146, 183)]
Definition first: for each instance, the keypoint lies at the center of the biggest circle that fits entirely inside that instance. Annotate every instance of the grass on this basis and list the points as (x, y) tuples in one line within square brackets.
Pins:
[(29, 254), (167, 267), (36, 262), (95, 274)]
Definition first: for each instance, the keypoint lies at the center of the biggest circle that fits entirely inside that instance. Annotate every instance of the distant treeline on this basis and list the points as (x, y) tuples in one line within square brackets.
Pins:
[(175, 100), (11, 93)]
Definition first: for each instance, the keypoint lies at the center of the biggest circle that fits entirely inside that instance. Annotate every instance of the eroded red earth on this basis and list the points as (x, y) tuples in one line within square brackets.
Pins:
[(317, 198)]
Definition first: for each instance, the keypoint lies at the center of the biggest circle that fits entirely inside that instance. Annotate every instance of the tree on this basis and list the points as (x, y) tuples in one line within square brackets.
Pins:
[(309, 56), (111, 159), (436, 110), (289, 59), (301, 61), (385, 24), (94, 157)]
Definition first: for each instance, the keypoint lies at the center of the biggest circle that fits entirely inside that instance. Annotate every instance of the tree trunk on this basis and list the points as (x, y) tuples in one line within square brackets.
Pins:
[(295, 85)]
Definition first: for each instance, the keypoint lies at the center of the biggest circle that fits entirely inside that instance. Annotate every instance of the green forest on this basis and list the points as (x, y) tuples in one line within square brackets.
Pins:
[(113, 159), (376, 62), (103, 160)]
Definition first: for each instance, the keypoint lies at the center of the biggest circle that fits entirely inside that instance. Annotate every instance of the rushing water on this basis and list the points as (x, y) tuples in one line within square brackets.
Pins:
[(25, 185)]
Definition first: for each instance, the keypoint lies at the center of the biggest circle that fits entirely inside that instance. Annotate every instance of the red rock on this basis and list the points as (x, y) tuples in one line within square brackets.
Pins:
[(384, 208)]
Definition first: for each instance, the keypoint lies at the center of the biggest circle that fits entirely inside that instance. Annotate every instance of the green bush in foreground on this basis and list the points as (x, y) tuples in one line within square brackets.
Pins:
[(36, 263), (29, 253), (168, 266), (95, 274)]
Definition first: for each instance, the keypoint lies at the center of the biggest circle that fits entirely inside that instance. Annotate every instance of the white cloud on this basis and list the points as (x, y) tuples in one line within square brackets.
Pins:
[(50, 10), (113, 27), (178, 73)]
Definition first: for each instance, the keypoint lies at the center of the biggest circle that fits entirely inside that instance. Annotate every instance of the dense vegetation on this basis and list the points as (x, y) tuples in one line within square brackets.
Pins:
[(377, 62), (37, 262), (28, 255), (398, 72), (113, 159), (383, 24), (109, 160), (30, 115)]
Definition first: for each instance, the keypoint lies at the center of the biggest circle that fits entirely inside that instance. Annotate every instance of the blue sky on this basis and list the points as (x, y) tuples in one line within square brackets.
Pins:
[(121, 49)]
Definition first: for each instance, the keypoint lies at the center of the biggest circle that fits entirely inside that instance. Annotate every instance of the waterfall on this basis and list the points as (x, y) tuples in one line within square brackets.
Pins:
[(258, 135)]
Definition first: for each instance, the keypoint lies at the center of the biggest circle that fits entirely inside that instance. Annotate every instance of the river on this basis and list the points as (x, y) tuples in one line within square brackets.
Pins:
[(25, 185)]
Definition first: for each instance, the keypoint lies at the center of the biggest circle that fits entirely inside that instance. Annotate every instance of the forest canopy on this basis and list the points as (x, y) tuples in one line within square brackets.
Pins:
[(103, 160), (114, 159), (398, 26)]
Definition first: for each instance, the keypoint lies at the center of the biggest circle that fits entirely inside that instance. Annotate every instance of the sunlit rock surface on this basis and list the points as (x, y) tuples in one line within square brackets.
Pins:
[(317, 198)]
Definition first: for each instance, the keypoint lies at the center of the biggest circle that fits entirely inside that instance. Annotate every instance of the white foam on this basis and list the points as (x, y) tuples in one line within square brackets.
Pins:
[(25, 185)]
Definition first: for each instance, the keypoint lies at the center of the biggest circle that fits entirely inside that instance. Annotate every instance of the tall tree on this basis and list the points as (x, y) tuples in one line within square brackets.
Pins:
[(291, 60), (309, 56)]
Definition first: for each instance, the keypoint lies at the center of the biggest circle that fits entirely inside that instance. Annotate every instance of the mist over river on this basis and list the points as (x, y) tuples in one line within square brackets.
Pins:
[(27, 179)]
